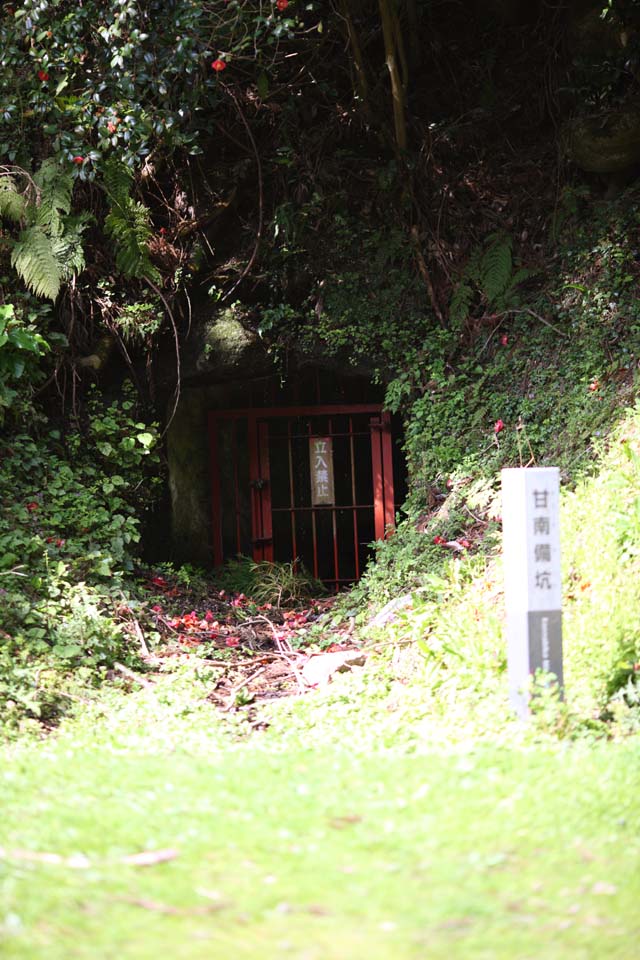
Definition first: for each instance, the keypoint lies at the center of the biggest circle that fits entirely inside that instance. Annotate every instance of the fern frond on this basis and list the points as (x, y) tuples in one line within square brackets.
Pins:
[(67, 247), (473, 266), (128, 223), (118, 180), (496, 266), (55, 185), (12, 203), (34, 260), (460, 304), (522, 274)]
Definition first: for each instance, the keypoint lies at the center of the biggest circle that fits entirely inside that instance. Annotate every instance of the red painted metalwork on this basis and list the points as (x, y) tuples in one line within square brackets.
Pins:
[(378, 478), (254, 483), (387, 468), (314, 530), (265, 413), (236, 484), (259, 497), (334, 529), (352, 455), (292, 497), (216, 516), (266, 520)]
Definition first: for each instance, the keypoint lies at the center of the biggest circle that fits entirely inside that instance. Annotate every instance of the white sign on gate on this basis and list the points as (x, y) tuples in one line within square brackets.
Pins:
[(533, 587), (321, 462)]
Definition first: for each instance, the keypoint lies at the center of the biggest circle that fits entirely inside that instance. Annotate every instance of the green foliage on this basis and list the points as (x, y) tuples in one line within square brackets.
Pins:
[(12, 202), (139, 322), (399, 567), (279, 584), (77, 501), (370, 305), (34, 259), (283, 584), (48, 249), (601, 554), (128, 223), (122, 79), (20, 344), (489, 276), (56, 637), (71, 510)]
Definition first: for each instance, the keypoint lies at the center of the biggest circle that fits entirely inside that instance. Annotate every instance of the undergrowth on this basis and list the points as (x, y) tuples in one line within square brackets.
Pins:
[(71, 511), (442, 652)]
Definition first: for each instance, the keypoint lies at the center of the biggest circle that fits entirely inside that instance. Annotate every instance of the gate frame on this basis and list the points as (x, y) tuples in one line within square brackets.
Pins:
[(259, 472)]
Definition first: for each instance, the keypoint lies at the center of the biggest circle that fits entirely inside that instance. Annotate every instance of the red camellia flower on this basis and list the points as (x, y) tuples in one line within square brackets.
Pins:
[(43, 75), (232, 642), (32, 506), (439, 540), (218, 65), (282, 4), (498, 426), (78, 160), (504, 340)]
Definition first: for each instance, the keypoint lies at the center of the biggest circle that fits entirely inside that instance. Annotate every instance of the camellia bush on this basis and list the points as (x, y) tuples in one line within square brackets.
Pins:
[(84, 81)]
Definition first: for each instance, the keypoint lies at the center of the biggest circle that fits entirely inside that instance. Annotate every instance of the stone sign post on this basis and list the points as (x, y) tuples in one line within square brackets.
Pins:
[(533, 589)]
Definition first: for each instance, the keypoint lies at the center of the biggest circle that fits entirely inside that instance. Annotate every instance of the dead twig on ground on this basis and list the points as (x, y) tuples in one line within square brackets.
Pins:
[(131, 675), (243, 683), (140, 635)]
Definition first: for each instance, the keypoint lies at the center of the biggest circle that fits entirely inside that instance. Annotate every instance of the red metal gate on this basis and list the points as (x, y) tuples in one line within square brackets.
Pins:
[(271, 500)]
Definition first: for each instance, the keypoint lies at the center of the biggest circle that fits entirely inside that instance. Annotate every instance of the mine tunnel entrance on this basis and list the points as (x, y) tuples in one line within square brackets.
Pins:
[(310, 484)]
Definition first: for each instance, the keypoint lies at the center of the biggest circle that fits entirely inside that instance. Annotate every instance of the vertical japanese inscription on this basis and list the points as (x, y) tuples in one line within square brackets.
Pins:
[(532, 577), (321, 462)]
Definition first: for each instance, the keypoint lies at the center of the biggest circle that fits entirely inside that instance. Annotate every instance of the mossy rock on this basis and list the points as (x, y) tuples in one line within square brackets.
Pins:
[(607, 143), (189, 481), (228, 346)]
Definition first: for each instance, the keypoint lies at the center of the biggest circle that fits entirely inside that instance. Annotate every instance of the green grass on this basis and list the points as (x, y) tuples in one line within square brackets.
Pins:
[(329, 850), (400, 812)]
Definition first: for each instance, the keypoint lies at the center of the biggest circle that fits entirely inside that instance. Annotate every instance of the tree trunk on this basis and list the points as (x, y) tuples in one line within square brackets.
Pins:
[(395, 59)]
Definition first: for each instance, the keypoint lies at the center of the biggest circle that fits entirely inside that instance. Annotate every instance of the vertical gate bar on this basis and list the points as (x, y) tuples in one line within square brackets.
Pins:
[(236, 492), (292, 501), (378, 487), (265, 491), (314, 533), (387, 470), (216, 517), (334, 523), (336, 563), (254, 476), (353, 498), (315, 544)]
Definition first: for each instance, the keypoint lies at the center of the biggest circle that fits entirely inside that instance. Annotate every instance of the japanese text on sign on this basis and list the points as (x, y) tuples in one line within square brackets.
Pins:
[(533, 586), (321, 462), (540, 506)]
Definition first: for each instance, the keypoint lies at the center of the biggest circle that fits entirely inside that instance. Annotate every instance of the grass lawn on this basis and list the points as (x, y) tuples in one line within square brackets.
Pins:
[(281, 849)]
